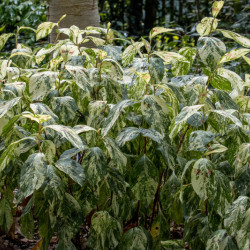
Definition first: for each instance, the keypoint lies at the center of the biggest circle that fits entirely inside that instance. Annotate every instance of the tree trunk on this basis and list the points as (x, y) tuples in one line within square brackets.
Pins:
[(81, 13), (151, 10)]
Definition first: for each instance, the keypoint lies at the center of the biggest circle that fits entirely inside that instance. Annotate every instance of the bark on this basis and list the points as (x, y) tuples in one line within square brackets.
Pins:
[(81, 13)]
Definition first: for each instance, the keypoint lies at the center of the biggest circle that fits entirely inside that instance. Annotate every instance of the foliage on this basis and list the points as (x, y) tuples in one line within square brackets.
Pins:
[(127, 142)]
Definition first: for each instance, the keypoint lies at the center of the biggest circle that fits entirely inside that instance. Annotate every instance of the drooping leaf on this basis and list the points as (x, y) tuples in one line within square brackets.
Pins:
[(69, 134), (33, 174), (94, 165), (6, 106), (4, 38), (106, 231), (114, 114), (71, 168), (6, 214), (221, 240)]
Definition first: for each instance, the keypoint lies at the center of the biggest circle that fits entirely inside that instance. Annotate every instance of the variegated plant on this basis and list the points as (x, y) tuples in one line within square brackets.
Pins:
[(127, 142)]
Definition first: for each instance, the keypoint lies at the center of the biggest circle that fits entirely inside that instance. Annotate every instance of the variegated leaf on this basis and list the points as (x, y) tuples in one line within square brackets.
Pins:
[(158, 30), (33, 174), (41, 83), (130, 52), (6, 106), (69, 134), (114, 114), (95, 165), (233, 55), (156, 69), (207, 25), (182, 118), (244, 41), (199, 139), (4, 38), (211, 49), (72, 168), (221, 240), (65, 107), (44, 29), (217, 5)]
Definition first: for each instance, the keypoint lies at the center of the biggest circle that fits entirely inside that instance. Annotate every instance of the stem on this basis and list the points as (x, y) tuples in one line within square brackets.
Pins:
[(182, 139), (39, 137), (197, 62), (59, 80), (203, 118), (139, 147)]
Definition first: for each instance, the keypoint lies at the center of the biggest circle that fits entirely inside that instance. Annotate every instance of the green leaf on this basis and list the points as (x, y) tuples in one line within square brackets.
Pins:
[(207, 25), (216, 7), (41, 83), (210, 49), (5, 106), (105, 231), (33, 174), (158, 30), (69, 134), (72, 168), (95, 165), (182, 118), (215, 149), (233, 55), (221, 240), (65, 107), (180, 66), (134, 239), (6, 214), (114, 90), (4, 38), (44, 29), (189, 53), (144, 190), (114, 114), (202, 178), (245, 42), (199, 139), (27, 225), (225, 100), (119, 160)]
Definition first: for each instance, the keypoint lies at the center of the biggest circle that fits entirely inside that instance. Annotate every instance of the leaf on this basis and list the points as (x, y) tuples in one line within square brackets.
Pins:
[(33, 174), (6, 106), (199, 139), (37, 118), (227, 80), (221, 240), (225, 100), (130, 52), (69, 134), (72, 168), (41, 83), (215, 149), (180, 66), (106, 231), (245, 42), (4, 38), (233, 55), (44, 29), (144, 190), (181, 119), (210, 49), (83, 128), (216, 7), (119, 160), (189, 53), (236, 214), (114, 90), (133, 239), (201, 178), (95, 165), (173, 244), (158, 30), (65, 107), (130, 133), (207, 25), (156, 69), (6, 214), (171, 204), (114, 114), (27, 225)]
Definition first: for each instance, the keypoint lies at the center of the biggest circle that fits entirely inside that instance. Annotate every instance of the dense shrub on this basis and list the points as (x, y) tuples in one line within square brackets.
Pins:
[(128, 143)]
